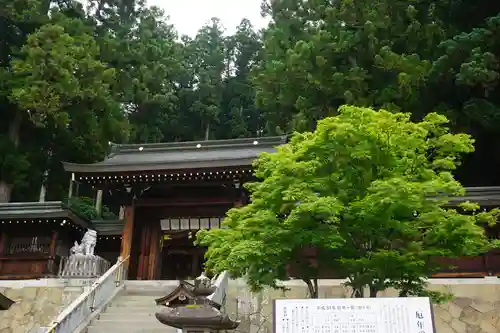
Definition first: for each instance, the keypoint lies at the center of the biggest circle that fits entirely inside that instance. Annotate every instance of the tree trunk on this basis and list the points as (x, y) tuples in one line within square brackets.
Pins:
[(14, 128), (207, 132), (43, 188), (43, 193), (373, 292), (312, 287), (5, 191)]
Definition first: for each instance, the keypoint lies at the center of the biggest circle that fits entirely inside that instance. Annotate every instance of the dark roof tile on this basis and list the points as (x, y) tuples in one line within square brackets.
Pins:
[(41, 210), (182, 155)]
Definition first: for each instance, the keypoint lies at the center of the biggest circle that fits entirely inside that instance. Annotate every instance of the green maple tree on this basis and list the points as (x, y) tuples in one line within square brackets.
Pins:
[(368, 191)]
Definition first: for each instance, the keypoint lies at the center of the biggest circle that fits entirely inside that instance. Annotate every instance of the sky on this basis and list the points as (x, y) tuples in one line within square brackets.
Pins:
[(189, 15)]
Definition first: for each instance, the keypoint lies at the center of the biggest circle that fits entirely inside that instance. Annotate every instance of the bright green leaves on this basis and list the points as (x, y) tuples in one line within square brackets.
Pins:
[(364, 188)]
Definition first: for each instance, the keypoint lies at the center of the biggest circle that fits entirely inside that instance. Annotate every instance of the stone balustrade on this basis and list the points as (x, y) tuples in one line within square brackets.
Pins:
[(82, 266)]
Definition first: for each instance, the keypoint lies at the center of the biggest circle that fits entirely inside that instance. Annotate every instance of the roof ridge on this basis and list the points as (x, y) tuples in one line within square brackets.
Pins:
[(32, 204), (181, 155), (121, 148)]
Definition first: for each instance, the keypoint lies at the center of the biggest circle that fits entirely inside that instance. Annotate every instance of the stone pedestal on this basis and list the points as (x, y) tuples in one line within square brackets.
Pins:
[(83, 266)]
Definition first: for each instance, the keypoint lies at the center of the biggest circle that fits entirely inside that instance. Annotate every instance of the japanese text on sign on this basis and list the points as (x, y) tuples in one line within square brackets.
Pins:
[(354, 315)]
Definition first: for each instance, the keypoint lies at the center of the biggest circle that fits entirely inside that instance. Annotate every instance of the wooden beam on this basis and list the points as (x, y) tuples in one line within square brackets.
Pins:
[(149, 202), (460, 275)]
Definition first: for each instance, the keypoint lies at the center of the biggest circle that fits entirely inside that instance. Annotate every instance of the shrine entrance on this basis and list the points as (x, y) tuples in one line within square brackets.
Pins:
[(162, 248), (181, 259)]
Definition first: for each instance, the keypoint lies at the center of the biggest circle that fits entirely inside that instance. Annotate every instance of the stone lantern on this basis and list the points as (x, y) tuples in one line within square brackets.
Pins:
[(191, 308)]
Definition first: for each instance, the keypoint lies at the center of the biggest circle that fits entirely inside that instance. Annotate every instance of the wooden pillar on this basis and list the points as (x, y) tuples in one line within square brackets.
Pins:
[(3, 244), (128, 229), (154, 250), (52, 253), (52, 250), (486, 264), (144, 249)]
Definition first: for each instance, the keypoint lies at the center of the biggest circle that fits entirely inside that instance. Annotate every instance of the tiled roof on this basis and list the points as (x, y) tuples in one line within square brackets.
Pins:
[(182, 155)]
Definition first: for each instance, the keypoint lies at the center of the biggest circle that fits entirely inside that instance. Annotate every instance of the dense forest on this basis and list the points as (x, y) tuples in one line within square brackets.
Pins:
[(75, 76)]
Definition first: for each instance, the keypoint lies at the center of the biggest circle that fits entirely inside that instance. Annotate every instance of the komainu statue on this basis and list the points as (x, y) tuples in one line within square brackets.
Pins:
[(86, 246), (82, 261), (88, 243), (77, 250)]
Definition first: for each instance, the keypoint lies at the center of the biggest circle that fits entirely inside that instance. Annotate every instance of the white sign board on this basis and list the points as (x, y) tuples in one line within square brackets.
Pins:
[(354, 315)]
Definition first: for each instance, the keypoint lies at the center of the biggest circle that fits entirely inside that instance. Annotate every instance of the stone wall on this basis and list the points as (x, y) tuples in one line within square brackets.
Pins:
[(474, 309), (37, 302)]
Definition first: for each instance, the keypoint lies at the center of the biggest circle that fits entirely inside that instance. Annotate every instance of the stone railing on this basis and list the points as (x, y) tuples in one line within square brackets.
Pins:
[(78, 313), (80, 266)]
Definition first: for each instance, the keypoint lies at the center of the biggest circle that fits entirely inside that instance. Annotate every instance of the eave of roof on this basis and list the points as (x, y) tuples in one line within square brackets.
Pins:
[(108, 227), (483, 195), (181, 155), (183, 288), (18, 211)]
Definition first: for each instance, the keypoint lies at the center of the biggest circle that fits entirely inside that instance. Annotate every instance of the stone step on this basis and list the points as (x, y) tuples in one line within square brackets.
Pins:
[(152, 292), (121, 304), (152, 284), (125, 321), (138, 316), (131, 309), (138, 297), (122, 325), (134, 301), (125, 329), (159, 288)]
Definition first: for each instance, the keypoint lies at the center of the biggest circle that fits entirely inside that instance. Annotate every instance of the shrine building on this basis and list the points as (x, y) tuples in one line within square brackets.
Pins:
[(35, 237), (166, 192)]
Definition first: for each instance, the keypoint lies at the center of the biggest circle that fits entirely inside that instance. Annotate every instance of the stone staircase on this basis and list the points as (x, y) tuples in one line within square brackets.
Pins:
[(133, 310)]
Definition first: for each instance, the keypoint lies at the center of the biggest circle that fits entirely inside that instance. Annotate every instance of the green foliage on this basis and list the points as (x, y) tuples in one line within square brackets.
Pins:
[(320, 55), (85, 207), (420, 57), (13, 163), (55, 68), (368, 191), (72, 80)]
